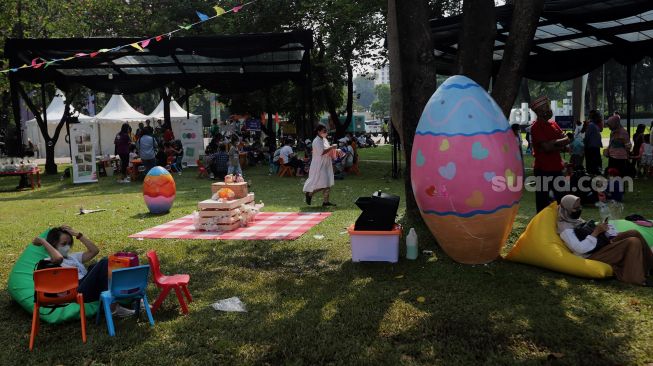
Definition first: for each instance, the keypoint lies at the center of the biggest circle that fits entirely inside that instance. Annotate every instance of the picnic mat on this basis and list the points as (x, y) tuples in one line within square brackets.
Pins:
[(268, 226)]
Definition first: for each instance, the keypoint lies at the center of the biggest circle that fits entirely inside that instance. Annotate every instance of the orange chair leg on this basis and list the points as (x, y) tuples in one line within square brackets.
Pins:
[(82, 315), (35, 326), (187, 293), (160, 299), (184, 308)]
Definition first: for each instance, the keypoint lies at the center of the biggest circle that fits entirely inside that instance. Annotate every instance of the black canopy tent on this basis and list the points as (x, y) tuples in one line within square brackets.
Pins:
[(573, 37), (228, 64)]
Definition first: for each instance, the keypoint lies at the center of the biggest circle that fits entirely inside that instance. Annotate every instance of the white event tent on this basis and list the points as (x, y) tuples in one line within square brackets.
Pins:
[(110, 119), (53, 112), (187, 128)]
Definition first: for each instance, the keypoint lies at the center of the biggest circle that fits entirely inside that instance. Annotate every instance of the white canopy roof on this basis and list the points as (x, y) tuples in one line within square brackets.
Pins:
[(176, 111), (119, 109), (55, 110)]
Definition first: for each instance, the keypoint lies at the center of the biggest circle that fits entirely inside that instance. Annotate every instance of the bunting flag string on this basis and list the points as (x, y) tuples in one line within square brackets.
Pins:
[(140, 45)]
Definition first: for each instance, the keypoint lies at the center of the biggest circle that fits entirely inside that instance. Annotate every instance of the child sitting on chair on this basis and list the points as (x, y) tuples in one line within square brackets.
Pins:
[(92, 281)]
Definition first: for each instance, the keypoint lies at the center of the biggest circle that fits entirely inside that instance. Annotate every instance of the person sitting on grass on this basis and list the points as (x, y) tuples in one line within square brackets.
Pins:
[(92, 280), (219, 164), (627, 253)]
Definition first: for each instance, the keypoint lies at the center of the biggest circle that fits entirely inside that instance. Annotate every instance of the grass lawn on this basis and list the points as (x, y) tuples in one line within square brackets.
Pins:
[(308, 303)]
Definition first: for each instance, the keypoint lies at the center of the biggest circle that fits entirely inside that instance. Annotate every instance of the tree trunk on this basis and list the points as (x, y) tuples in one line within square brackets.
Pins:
[(525, 16), (418, 76), (341, 128), (525, 91), (476, 41), (166, 96), (395, 69)]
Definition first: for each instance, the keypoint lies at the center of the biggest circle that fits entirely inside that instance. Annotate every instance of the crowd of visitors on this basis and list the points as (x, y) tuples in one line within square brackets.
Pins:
[(153, 146)]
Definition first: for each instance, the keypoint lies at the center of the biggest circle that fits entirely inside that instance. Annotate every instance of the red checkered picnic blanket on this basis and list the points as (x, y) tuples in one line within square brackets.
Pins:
[(267, 226)]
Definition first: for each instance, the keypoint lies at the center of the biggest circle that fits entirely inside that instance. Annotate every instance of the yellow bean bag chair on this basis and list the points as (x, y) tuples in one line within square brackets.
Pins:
[(540, 245)]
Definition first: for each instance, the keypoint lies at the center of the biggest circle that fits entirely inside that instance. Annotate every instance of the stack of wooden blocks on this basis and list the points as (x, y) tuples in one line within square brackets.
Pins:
[(225, 213)]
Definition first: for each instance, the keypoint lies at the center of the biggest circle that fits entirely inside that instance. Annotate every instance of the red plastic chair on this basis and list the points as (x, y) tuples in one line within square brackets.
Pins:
[(178, 282), (56, 286)]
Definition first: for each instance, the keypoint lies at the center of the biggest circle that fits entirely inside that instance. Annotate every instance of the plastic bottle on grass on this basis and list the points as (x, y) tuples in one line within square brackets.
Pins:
[(411, 244)]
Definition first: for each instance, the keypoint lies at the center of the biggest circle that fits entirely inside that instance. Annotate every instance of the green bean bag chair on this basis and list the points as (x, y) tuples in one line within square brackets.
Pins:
[(624, 225), (21, 287)]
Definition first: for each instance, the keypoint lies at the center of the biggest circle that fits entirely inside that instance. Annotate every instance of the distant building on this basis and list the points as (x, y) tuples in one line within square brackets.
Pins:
[(382, 76)]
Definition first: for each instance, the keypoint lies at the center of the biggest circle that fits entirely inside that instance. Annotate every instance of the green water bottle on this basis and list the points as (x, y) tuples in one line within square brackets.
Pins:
[(411, 244)]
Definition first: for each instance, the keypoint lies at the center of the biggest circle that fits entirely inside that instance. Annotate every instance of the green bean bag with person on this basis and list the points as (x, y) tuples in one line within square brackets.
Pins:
[(21, 287)]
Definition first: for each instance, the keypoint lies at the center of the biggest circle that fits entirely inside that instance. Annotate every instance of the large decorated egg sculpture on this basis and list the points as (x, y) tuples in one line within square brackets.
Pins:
[(466, 171), (159, 190)]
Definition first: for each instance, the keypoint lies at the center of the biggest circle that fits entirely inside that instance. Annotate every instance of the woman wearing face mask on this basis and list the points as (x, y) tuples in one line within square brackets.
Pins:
[(627, 253), (92, 281)]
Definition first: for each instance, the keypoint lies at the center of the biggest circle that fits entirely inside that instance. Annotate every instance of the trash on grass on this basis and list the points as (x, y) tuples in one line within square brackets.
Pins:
[(85, 212), (230, 304), (318, 236)]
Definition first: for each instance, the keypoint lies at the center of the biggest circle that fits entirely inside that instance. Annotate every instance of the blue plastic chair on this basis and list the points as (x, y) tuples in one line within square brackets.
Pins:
[(126, 284)]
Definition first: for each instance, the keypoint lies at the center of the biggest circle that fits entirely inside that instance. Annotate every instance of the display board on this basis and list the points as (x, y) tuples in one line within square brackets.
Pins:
[(189, 132), (83, 144)]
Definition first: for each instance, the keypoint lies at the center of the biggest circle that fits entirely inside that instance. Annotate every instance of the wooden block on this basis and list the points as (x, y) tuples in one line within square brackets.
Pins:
[(226, 205), (224, 227), (240, 189), (215, 213), (227, 220)]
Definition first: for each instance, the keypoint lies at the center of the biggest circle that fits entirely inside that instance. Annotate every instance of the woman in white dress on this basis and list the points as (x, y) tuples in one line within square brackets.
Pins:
[(320, 174)]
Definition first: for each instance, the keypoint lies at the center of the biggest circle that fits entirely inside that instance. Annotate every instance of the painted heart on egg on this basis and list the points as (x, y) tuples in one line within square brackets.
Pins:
[(448, 171), (420, 158), (431, 191), (479, 152), (489, 175), (444, 146), (476, 199)]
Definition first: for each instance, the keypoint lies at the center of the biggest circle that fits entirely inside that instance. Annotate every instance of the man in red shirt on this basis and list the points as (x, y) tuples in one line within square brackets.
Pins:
[(548, 140)]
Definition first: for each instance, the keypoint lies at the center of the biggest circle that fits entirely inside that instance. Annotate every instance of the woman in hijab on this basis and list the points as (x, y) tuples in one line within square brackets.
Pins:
[(627, 253)]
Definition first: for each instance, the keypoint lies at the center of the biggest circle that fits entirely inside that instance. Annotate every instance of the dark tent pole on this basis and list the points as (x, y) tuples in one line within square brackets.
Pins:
[(629, 78), (303, 121), (43, 107), (311, 107), (187, 105), (272, 136), (15, 106)]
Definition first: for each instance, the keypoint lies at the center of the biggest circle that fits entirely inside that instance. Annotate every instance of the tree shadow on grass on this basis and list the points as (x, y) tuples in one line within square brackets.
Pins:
[(309, 309)]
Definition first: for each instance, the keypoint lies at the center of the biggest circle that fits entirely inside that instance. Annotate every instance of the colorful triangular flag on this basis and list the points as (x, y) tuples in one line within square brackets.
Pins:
[(236, 8), (218, 10), (137, 46), (158, 38), (186, 27), (203, 17), (145, 43), (103, 50)]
